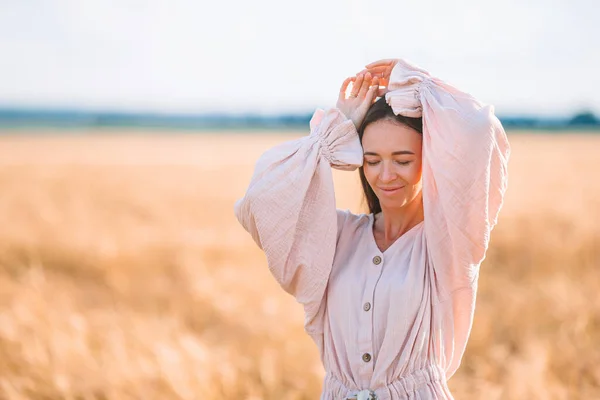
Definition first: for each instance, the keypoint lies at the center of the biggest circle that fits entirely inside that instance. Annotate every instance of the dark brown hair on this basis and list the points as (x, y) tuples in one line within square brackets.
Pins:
[(380, 110)]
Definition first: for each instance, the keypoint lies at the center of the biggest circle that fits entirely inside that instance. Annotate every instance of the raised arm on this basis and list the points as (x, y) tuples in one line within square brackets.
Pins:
[(464, 180), (465, 175), (289, 207), (465, 159), (465, 162)]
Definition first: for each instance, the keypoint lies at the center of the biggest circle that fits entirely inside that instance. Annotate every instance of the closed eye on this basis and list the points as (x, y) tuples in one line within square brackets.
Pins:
[(398, 162)]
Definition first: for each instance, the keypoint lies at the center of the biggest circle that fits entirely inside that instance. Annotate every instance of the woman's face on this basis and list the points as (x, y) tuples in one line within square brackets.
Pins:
[(392, 162)]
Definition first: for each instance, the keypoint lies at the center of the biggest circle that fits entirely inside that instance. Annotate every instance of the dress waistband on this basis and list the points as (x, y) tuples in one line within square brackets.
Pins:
[(402, 388)]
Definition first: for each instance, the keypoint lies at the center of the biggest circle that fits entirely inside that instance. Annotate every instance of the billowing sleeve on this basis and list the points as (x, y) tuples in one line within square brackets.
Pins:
[(465, 161), (289, 207)]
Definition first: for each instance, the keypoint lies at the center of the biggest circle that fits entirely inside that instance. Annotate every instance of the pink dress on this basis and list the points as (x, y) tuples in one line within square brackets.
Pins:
[(389, 325)]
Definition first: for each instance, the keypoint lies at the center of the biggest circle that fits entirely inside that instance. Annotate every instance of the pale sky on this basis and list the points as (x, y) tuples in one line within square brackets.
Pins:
[(525, 57)]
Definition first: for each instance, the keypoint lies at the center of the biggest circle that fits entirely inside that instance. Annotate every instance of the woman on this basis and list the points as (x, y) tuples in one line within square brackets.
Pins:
[(388, 296)]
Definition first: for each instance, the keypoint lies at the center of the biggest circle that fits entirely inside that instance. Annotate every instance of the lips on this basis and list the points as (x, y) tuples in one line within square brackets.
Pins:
[(391, 189)]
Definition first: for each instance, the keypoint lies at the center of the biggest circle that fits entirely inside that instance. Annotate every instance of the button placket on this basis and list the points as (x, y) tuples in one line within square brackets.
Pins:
[(365, 342)]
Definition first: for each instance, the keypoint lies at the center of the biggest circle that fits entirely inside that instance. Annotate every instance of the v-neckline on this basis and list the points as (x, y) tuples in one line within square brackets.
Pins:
[(399, 239)]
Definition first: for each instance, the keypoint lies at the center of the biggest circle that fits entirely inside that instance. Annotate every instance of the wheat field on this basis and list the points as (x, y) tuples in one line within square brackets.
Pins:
[(125, 275)]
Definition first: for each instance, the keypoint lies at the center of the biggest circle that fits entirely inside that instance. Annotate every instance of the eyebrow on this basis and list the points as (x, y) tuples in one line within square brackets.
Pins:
[(370, 153)]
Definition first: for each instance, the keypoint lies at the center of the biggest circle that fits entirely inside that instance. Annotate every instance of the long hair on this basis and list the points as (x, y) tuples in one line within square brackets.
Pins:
[(381, 110)]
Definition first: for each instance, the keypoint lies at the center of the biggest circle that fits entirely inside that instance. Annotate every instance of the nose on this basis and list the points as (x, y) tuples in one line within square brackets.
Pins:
[(387, 173)]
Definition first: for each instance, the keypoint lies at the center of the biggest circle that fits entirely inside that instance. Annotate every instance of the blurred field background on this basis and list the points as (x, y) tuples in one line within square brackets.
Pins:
[(125, 275), (128, 130)]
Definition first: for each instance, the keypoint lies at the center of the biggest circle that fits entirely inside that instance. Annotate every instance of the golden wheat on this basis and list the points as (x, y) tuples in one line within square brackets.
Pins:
[(124, 274)]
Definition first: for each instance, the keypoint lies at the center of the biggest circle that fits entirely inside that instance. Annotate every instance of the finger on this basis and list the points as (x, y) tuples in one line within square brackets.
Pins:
[(379, 69), (365, 85), (352, 88), (375, 83), (384, 82), (384, 62), (382, 91), (382, 72), (345, 87), (373, 89), (357, 85), (379, 91)]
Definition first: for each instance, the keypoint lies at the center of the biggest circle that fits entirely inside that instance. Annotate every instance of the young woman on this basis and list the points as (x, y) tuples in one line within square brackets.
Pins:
[(388, 296)]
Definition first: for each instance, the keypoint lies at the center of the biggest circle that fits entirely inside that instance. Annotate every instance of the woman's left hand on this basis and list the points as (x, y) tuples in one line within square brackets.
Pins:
[(382, 69)]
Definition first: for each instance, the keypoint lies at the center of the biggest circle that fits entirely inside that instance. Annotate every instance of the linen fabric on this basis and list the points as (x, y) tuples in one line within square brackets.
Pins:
[(393, 324)]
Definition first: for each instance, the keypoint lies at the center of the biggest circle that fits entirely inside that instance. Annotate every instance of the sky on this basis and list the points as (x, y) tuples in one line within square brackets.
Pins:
[(266, 57)]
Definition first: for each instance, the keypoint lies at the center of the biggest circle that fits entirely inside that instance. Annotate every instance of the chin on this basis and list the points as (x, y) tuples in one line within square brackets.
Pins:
[(393, 203)]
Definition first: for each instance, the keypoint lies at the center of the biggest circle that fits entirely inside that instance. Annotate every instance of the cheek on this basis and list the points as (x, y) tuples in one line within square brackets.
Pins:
[(370, 173), (414, 173)]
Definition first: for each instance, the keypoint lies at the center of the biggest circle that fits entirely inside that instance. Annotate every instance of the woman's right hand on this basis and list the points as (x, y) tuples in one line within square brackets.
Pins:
[(364, 92)]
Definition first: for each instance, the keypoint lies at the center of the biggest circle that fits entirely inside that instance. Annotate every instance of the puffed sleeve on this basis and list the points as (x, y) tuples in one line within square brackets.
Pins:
[(465, 163), (289, 207)]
